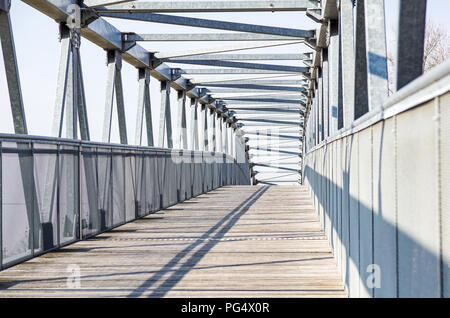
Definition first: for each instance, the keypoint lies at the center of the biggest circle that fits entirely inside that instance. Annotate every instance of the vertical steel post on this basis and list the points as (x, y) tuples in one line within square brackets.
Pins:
[(205, 135), (82, 107), (165, 122), (212, 117), (61, 88), (326, 94), (219, 133), (120, 100), (194, 123), (72, 87), (12, 74), (334, 76), (109, 101), (114, 82), (347, 60), (377, 78), (226, 146), (411, 34), (144, 106), (233, 142), (181, 121), (320, 103), (360, 84)]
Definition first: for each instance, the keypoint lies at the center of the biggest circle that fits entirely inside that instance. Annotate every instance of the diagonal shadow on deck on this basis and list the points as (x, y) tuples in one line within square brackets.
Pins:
[(228, 221)]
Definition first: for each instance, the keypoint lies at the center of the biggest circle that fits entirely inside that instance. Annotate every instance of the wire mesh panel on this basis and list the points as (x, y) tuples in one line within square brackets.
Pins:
[(130, 186), (118, 188), (54, 193), (180, 177), (157, 181), (188, 180), (207, 176), (197, 173), (90, 213), (171, 185), (151, 184), (104, 167), (17, 202), (141, 184), (46, 182), (68, 195)]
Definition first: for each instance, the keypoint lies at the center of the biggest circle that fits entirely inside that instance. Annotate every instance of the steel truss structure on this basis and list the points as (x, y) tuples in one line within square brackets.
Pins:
[(327, 98)]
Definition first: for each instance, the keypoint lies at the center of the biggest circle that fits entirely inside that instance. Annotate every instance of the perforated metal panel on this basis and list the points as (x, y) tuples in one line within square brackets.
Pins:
[(418, 217), (384, 206), (444, 164), (365, 210), (17, 234), (345, 213), (354, 281)]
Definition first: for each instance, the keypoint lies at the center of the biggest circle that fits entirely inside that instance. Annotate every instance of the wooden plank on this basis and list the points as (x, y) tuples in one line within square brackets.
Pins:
[(238, 241)]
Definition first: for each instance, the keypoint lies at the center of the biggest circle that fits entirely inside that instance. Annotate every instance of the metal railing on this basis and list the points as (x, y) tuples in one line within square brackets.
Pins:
[(58, 191)]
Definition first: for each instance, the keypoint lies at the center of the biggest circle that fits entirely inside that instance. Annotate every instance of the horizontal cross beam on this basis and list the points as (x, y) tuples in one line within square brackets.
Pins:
[(241, 57), (255, 82), (211, 24), (223, 49), (244, 65), (237, 88), (102, 3), (204, 37), (211, 6), (220, 71)]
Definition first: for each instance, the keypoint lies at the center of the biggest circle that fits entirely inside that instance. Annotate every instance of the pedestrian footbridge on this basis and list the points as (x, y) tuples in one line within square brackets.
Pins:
[(302, 172)]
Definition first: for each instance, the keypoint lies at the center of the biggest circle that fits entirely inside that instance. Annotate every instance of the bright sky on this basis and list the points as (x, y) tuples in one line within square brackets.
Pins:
[(38, 57)]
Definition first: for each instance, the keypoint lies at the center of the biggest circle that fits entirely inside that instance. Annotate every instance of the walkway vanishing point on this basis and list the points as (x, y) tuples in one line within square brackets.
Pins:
[(236, 241)]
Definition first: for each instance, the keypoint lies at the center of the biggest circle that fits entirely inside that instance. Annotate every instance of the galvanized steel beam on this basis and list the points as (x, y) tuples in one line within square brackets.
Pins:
[(101, 3), (210, 24), (242, 65), (165, 121), (242, 57), (347, 60), (12, 72), (223, 49), (114, 87), (411, 34), (181, 121), (194, 124), (144, 107), (220, 71), (211, 6), (201, 37)]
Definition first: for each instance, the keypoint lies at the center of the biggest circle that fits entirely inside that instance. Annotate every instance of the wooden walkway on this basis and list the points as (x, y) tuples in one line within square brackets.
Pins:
[(237, 241)]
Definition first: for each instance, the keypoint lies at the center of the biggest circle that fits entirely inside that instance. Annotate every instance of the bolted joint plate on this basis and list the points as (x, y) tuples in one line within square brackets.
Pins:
[(5, 5)]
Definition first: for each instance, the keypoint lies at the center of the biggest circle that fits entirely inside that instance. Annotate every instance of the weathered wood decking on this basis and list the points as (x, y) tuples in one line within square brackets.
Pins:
[(237, 241)]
